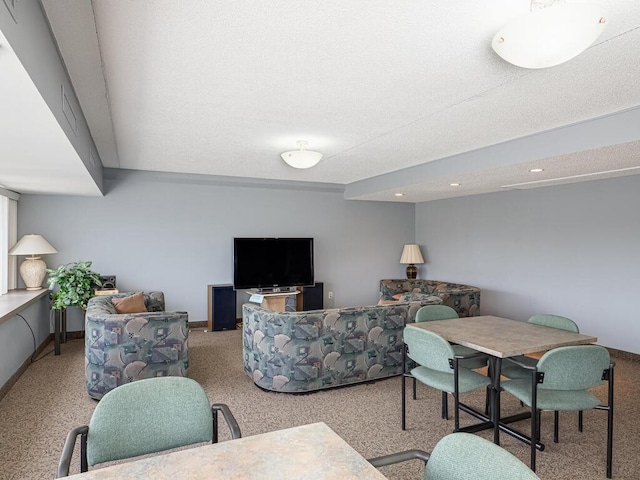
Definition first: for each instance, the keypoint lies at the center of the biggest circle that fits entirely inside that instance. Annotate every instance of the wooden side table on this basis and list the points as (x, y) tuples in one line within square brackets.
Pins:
[(105, 291)]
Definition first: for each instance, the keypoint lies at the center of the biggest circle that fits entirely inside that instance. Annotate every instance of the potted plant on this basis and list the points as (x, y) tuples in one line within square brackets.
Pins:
[(75, 282)]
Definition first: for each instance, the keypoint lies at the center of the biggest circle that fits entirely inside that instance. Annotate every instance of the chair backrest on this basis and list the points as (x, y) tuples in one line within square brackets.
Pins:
[(573, 368), (149, 416), (428, 349), (429, 313), (555, 321), (463, 455)]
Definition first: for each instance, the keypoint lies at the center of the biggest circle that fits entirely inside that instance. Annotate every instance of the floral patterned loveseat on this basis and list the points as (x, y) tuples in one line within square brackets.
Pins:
[(299, 352), (122, 348), (464, 299)]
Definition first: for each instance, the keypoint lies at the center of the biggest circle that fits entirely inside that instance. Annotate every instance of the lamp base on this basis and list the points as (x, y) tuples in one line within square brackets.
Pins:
[(33, 271), (412, 271)]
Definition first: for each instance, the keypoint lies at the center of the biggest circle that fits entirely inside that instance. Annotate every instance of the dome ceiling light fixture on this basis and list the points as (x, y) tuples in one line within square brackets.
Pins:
[(552, 33), (302, 158)]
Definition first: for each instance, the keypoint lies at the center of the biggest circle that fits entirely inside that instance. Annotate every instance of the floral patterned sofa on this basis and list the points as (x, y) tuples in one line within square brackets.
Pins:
[(122, 348), (464, 299), (299, 352)]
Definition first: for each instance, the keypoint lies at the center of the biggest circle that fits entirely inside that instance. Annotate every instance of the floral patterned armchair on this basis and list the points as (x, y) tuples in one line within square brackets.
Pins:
[(122, 348)]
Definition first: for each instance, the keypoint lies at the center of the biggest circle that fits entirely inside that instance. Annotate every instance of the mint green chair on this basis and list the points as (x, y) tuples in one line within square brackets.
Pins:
[(559, 381), (463, 456), (438, 367), (513, 371), (546, 320), (430, 313), (147, 416)]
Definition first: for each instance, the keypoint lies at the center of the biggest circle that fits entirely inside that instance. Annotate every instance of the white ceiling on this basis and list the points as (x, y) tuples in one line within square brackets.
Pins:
[(400, 96)]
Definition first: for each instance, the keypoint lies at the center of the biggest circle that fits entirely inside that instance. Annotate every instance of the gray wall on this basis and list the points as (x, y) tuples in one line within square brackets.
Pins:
[(175, 234), (571, 250), (16, 340)]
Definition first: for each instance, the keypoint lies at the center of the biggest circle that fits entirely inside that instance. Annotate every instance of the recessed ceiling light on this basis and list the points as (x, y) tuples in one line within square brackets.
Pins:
[(536, 170), (454, 184), (399, 194)]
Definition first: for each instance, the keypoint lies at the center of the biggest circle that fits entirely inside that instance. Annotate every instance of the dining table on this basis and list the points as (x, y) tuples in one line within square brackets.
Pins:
[(311, 451), (501, 338)]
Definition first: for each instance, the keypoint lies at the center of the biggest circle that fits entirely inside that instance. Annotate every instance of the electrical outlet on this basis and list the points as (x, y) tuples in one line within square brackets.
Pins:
[(330, 295)]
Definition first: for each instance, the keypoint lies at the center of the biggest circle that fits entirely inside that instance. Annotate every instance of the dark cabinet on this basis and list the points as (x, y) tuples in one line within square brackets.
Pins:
[(311, 298), (221, 307)]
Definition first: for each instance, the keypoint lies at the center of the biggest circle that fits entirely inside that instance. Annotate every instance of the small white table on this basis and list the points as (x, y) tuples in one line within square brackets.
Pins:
[(306, 452)]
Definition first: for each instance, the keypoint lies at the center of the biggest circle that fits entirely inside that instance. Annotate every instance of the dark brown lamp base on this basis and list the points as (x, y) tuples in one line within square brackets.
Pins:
[(412, 271)]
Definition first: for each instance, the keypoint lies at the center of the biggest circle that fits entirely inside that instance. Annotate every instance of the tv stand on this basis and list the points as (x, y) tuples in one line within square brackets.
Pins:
[(275, 300), (274, 291), (307, 298)]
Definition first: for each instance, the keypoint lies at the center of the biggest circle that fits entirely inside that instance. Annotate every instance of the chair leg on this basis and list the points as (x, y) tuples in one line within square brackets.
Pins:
[(535, 418), (84, 463), (404, 413), (535, 435), (580, 421), (556, 419), (487, 400), (445, 406), (456, 396), (610, 424)]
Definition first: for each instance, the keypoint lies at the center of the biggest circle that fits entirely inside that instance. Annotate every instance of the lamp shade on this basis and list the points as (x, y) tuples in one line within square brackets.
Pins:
[(32, 269), (549, 36), (411, 254), (32, 245), (301, 158)]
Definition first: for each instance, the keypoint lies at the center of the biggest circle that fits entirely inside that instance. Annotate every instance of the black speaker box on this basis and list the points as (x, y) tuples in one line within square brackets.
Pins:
[(108, 282)]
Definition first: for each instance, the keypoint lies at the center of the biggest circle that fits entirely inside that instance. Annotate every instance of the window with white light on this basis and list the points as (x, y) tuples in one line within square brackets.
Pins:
[(8, 237)]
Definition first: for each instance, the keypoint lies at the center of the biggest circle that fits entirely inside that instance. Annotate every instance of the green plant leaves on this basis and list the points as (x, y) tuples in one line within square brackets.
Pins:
[(75, 283)]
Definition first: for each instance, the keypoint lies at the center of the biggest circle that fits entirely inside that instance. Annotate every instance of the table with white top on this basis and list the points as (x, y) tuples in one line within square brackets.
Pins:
[(306, 452)]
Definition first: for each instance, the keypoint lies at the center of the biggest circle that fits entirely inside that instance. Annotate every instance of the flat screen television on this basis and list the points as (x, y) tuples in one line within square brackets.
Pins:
[(272, 263)]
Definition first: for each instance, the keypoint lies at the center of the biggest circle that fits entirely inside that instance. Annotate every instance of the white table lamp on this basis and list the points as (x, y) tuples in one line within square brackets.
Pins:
[(411, 255), (33, 269)]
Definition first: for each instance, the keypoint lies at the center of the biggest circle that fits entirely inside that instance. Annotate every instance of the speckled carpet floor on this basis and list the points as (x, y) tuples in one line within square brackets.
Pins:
[(49, 399)]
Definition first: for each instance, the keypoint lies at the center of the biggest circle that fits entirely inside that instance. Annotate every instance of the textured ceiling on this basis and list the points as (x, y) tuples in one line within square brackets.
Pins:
[(222, 88)]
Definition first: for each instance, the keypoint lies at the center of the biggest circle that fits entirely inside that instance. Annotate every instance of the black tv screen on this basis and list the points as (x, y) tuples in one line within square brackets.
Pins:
[(272, 262)]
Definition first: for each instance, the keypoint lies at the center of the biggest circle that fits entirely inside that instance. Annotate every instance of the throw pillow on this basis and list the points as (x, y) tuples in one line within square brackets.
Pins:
[(387, 302), (131, 304)]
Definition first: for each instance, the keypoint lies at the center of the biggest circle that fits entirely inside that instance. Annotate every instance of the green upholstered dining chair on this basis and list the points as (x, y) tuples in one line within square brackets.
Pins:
[(147, 416), (430, 313), (559, 381), (546, 320), (513, 371), (438, 367), (463, 456)]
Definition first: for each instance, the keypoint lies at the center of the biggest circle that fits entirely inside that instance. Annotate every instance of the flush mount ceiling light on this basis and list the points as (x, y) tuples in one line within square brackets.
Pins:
[(550, 34), (302, 158)]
